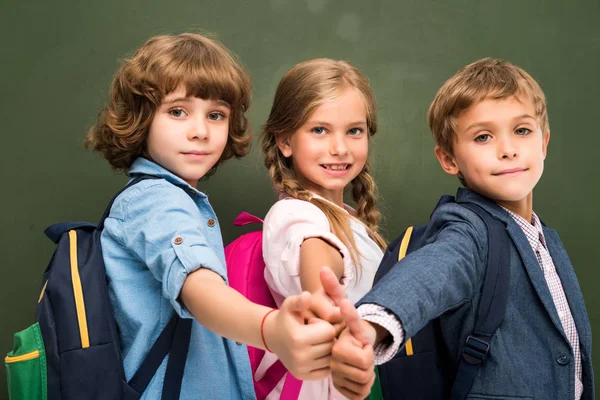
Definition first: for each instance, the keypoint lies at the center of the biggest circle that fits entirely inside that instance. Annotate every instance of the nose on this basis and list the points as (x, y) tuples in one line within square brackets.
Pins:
[(198, 129), (337, 144), (507, 147)]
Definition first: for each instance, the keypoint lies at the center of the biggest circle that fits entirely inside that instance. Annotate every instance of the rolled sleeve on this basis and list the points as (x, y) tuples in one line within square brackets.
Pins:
[(287, 225), (167, 236)]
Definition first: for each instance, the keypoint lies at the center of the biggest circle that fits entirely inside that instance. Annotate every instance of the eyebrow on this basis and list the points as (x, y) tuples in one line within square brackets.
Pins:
[(487, 123), (329, 124), (188, 99), (523, 117)]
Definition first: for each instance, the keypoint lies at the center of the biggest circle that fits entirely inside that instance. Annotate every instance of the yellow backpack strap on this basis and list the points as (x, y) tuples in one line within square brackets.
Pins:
[(401, 254)]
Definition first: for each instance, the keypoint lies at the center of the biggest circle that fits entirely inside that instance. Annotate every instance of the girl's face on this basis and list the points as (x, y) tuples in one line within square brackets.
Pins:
[(331, 148), (188, 134)]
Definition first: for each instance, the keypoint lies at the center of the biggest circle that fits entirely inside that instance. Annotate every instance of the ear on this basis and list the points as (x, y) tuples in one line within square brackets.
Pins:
[(283, 142), (447, 161), (545, 139)]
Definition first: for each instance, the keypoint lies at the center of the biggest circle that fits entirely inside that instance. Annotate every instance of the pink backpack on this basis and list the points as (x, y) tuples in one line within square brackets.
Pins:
[(245, 271)]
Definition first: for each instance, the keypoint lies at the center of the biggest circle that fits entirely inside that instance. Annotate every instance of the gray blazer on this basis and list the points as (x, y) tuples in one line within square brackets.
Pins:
[(530, 357)]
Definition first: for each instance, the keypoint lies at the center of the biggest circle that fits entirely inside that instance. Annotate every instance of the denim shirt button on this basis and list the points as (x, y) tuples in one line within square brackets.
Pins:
[(211, 222), (178, 240), (562, 359)]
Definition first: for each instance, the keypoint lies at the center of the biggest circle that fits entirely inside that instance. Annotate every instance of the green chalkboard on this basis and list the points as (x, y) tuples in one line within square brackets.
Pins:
[(57, 60)]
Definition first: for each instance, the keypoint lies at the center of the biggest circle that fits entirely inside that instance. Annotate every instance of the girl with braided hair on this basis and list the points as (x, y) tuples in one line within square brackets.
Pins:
[(315, 144)]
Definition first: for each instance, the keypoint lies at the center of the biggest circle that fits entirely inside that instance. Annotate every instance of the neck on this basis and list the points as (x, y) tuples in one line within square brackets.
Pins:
[(523, 207), (336, 196)]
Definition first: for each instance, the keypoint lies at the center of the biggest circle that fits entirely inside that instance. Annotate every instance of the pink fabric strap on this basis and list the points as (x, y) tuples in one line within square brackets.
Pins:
[(291, 388), (245, 219)]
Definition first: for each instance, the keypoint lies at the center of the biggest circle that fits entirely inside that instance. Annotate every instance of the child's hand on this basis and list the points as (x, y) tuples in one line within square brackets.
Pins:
[(322, 308), (305, 350), (325, 302), (352, 365)]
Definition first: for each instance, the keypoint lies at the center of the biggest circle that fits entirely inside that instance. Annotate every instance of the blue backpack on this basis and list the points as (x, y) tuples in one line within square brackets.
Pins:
[(72, 351), (424, 369)]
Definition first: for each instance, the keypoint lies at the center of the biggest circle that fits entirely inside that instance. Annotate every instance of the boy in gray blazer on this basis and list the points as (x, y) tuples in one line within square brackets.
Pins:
[(491, 129)]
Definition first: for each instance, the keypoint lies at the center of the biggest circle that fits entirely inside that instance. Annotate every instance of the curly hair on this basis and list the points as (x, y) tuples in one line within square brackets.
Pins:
[(203, 66), (305, 87)]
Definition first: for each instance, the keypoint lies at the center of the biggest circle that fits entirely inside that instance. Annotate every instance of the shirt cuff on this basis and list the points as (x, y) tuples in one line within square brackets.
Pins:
[(386, 349)]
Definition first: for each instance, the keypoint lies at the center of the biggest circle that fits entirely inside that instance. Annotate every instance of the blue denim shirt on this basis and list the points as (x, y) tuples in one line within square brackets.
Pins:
[(146, 268)]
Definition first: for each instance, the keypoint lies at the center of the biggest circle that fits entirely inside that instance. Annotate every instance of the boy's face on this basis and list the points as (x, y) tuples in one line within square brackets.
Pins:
[(188, 134), (499, 150)]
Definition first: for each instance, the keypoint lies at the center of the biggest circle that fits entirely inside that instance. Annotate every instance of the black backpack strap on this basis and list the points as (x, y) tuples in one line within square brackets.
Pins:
[(137, 179), (174, 338), (177, 358), (390, 256), (492, 305)]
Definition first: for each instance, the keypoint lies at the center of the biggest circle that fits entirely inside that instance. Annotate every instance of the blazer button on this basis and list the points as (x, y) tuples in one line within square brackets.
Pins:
[(211, 222), (562, 359)]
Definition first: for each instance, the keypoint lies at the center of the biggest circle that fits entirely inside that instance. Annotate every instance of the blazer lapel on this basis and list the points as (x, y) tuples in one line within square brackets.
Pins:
[(571, 287), (535, 273), (528, 257)]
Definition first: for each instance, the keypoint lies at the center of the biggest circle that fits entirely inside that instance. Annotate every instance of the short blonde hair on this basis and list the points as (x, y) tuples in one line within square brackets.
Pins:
[(485, 78), (203, 66)]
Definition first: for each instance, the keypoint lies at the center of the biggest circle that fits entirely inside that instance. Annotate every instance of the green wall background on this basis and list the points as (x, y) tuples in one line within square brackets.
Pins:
[(57, 60)]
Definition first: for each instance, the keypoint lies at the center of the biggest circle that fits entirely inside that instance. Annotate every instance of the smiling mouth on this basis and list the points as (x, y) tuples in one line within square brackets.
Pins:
[(510, 171), (336, 167)]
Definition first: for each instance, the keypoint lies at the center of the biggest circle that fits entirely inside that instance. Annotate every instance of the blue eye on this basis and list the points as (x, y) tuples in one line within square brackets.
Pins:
[(319, 130), (216, 116), (483, 138), (177, 112), (522, 131), (355, 131)]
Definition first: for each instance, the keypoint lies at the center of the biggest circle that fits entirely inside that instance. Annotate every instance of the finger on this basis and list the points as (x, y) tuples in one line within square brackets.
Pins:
[(319, 351), (352, 390), (317, 374), (298, 303), (318, 332), (360, 329), (332, 285), (324, 308), (357, 376), (339, 327), (347, 351)]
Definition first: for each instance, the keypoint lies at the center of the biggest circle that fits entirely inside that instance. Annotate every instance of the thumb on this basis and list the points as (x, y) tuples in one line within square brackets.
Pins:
[(332, 286), (298, 304), (360, 329)]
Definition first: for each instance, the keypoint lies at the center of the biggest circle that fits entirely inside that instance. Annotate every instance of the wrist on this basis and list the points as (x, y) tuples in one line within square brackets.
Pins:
[(266, 329), (379, 333)]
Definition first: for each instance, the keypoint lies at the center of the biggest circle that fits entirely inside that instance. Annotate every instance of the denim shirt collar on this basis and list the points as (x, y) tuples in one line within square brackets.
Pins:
[(143, 166)]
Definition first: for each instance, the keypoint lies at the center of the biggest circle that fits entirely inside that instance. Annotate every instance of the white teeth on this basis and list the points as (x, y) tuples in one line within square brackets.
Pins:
[(336, 167)]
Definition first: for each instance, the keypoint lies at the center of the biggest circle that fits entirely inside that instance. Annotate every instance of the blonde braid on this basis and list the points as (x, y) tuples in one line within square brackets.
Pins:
[(364, 194), (284, 181)]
